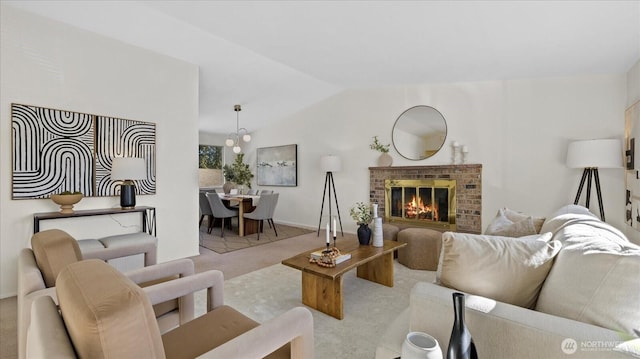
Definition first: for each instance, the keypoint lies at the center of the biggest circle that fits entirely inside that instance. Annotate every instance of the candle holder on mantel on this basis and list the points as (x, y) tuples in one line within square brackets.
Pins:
[(465, 152), (454, 153)]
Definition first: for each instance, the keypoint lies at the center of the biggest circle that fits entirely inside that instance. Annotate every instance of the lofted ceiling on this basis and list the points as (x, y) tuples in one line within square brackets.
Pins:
[(278, 57)]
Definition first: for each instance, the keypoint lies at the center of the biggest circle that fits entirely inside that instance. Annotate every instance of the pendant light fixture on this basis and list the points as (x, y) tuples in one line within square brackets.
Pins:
[(235, 143)]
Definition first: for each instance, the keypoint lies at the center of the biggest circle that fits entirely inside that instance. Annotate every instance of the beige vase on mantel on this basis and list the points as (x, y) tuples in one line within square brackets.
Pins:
[(385, 160)]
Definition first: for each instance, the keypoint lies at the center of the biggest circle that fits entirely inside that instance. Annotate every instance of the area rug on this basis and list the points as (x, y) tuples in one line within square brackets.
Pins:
[(368, 307), (232, 242)]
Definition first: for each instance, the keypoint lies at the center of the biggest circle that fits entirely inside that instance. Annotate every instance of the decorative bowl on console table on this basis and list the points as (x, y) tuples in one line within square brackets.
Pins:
[(66, 200)]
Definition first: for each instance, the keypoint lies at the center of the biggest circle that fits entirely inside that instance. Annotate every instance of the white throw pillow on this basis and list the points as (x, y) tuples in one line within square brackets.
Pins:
[(506, 269), (594, 278), (504, 226), (516, 216)]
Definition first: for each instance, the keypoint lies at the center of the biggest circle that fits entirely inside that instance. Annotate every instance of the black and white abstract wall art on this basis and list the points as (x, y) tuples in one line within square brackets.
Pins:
[(124, 138), (55, 151)]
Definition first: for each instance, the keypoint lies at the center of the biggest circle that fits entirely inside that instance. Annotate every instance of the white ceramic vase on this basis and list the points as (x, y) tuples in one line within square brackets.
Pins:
[(418, 345), (377, 232)]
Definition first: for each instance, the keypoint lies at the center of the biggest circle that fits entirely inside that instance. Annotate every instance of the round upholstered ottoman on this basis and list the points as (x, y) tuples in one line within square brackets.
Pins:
[(422, 250), (390, 232)]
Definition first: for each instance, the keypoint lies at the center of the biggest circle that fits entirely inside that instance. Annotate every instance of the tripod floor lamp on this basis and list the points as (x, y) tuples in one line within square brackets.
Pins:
[(591, 155), (330, 164)]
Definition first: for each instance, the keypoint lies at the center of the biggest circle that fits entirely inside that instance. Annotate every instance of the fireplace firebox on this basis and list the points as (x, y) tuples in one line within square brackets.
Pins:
[(425, 202)]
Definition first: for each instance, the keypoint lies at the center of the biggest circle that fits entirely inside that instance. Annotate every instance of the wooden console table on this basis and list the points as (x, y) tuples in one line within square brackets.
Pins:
[(148, 216)]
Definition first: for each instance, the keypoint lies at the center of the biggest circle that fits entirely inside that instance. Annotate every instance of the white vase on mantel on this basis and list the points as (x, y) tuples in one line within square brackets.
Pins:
[(385, 160)]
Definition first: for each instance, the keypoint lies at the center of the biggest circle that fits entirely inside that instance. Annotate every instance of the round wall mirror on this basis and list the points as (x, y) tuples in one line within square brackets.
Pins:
[(419, 132)]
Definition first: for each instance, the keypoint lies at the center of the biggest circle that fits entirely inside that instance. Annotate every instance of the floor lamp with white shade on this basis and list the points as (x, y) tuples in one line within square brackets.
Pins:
[(330, 164), (591, 155)]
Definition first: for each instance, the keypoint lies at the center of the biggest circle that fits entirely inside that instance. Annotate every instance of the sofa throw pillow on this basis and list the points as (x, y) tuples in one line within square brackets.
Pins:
[(594, 279), (506, 269), (516, 216), (504, 226)]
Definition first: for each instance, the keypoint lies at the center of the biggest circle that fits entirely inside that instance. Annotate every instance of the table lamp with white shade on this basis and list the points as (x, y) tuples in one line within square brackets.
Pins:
[(128, 169), (591, 155)]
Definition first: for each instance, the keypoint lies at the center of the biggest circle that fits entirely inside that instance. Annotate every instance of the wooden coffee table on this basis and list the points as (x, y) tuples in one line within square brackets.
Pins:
[(322, 287)]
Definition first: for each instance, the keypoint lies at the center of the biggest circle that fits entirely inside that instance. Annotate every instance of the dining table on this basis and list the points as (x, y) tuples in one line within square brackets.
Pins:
[(246, 204)]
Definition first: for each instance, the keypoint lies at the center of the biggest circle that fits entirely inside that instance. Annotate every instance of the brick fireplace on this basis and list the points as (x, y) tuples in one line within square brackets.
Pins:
[(467, 199)]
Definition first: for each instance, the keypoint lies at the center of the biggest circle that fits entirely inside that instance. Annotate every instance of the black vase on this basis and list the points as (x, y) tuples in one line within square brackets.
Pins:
[(364, 234), (461, 344)]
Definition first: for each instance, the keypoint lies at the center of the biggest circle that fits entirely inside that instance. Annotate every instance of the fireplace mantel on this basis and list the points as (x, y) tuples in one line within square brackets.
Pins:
[(468, 196), (430, 167)]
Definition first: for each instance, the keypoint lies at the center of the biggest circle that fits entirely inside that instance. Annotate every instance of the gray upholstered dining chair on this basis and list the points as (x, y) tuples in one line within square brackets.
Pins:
[(266, 191), (205, 210), (252, 192), (264, 210), (220, 211)]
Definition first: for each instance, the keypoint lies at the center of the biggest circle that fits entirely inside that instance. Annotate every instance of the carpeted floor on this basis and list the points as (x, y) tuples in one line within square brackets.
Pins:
[(232, 242), (259, 287), (369, 307)]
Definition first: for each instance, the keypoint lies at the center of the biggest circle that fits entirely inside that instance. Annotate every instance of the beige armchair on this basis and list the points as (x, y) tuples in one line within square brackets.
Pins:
[(52, 250), (104, 314)]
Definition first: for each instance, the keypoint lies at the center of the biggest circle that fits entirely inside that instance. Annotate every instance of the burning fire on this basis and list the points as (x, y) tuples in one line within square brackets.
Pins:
[(416, 209)]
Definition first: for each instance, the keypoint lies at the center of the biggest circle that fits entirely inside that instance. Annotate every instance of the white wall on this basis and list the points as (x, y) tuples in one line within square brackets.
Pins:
[(518, 130), (48, 64), (633, 84)]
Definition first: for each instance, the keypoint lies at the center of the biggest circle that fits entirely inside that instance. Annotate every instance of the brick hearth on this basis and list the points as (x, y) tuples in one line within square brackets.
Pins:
[(468, 192)]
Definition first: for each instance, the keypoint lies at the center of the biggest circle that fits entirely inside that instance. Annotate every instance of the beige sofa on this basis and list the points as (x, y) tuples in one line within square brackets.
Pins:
[(576, 294)]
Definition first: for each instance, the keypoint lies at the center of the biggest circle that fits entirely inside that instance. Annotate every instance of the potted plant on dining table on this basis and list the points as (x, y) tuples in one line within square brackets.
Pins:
[(238, 172), (361, 213)]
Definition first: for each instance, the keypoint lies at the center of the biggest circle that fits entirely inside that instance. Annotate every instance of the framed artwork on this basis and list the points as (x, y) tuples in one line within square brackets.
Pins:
[(55, 151), (632, 176), (277, 166)]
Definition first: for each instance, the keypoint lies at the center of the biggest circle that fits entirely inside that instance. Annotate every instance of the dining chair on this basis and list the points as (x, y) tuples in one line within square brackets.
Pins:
[(264, 210), (266, 191), (220, 211), (205, 210), (252, 192), (272, 210)]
